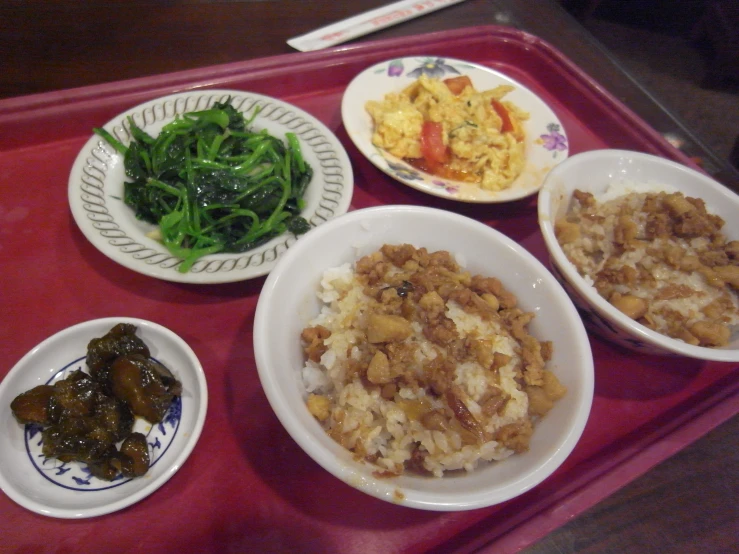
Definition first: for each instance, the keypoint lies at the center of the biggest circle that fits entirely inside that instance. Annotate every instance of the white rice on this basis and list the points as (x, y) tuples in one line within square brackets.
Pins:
[(382, 426), (595, 246)]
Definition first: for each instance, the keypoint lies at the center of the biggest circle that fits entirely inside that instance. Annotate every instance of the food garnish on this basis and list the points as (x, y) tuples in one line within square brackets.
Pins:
[(212, 184)]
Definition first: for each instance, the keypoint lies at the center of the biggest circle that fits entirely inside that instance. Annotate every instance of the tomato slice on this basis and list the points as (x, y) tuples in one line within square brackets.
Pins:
[(432, 143), (442, 170), (457, 84), (504, 116)]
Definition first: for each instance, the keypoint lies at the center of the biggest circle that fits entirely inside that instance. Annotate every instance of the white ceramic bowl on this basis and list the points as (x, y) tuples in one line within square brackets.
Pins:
[(65, 490), (288, 301), (592, 172)]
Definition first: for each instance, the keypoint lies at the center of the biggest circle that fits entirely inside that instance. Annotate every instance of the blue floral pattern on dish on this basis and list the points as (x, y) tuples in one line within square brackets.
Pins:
[(432, 67), (451, 189), (75, 475)]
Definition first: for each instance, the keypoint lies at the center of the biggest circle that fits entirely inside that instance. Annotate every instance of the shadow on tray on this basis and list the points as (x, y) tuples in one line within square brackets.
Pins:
[(625, 375), (283, 466)]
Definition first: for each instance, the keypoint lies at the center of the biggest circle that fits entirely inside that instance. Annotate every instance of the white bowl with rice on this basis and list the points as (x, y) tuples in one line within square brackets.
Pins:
[(464, 473), (675, 285)]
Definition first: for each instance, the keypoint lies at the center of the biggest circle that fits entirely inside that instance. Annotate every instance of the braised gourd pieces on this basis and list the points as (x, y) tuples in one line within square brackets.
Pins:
[(145, 385), (85, 416), (33, 406), (103, 351)]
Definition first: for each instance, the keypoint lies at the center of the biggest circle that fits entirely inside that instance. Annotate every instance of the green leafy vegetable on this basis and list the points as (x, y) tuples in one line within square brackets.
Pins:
[(212, 184)]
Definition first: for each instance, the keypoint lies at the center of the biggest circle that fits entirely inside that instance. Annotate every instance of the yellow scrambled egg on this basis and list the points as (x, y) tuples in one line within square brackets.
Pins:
[(480, 152)]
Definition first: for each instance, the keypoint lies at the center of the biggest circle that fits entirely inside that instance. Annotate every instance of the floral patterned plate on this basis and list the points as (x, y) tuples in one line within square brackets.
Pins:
[(546, 141), (97, 177), (68, 490)]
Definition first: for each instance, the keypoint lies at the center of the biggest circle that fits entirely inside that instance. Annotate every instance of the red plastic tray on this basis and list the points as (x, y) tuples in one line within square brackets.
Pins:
[(247, 486)]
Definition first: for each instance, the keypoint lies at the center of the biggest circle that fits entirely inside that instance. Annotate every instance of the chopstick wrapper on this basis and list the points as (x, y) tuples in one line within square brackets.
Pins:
[(367, 22)]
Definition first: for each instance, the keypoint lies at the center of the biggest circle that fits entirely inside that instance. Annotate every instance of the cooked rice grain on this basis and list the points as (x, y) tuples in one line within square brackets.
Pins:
[(658, 256), (437, 398)]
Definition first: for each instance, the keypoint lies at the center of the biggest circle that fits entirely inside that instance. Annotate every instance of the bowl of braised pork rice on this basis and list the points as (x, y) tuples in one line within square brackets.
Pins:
[(648, 250), (423, 358)]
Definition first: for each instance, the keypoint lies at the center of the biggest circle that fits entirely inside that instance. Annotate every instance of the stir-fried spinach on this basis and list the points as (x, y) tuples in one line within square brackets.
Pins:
[(212, 184)]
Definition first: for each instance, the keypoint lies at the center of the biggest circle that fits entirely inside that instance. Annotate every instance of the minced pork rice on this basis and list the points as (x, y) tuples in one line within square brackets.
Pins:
[(415, 365)]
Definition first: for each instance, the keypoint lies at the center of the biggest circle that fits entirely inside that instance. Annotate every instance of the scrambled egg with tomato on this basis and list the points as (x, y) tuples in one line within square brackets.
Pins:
[(449, 129)]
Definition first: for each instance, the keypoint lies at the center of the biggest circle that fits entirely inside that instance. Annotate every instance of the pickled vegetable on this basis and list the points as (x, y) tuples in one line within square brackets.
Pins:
[(103, 351), (85, 416), (33, 406), (136, 451), (145, 385)]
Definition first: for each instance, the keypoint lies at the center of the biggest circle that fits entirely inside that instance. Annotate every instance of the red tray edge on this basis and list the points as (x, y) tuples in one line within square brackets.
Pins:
[(596, 484), (599, 485), (24, 107)]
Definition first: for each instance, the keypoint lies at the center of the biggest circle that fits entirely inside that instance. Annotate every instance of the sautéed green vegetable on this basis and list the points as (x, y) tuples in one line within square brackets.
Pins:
[(212, 184)]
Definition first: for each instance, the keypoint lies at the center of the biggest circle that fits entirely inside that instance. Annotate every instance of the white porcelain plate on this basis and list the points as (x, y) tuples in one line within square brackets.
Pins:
[(67, 490), (546, 141), (97, 177)]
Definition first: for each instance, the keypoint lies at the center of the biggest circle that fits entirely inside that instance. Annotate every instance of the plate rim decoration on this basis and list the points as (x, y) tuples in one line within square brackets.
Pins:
[(96, 184), (26, 484), (547, 143)]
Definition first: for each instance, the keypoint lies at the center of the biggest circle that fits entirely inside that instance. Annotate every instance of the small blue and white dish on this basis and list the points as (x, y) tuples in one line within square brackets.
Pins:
[(67, 489)]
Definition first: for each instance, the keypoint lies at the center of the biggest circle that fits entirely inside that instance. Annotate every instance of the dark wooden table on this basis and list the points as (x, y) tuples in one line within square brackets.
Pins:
[(685, 504)]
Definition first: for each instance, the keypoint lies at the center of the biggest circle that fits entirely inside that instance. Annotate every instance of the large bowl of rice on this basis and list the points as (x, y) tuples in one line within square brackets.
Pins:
[(647, 248), (315, 276)]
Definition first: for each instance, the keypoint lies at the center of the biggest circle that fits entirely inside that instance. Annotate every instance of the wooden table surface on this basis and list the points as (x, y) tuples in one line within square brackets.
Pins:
[(685, 504)]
